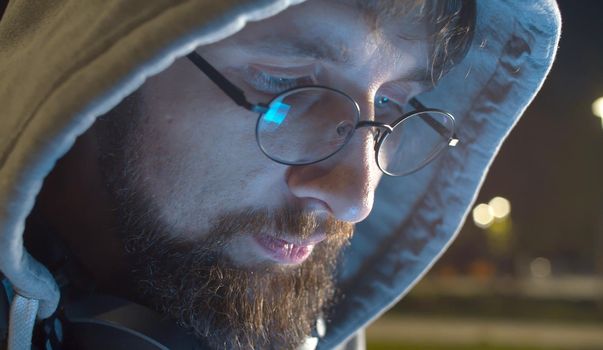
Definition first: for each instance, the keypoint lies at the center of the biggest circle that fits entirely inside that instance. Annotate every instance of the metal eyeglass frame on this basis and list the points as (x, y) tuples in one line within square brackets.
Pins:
[(383, 129)]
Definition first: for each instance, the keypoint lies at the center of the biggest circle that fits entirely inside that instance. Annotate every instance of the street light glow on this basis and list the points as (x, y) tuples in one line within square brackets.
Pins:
[(483, 215), (598, 109), (540, 268), (501, 207)]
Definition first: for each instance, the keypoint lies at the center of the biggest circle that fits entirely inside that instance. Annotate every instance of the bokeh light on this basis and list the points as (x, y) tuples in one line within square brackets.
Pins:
[(598, 109), (540, 267), (483, 215), (501, 207)]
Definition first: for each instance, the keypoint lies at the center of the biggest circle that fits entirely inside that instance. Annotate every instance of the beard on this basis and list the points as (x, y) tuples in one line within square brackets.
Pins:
[(226, 306)]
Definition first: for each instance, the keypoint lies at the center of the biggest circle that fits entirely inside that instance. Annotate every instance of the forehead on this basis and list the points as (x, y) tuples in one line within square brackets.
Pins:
[(342, 34)]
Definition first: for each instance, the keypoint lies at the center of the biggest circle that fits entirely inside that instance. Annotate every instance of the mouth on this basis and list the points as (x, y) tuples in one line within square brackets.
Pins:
[(288, 251)]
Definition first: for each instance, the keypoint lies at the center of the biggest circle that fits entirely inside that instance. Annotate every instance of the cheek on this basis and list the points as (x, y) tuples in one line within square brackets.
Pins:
[(198, 156)]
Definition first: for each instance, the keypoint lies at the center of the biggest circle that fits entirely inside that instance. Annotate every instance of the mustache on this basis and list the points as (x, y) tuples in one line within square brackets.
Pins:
[(289, 221), (285, 222)]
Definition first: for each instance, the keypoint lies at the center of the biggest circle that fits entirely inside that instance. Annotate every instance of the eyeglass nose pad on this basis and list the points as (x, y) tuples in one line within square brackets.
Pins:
[(376, 134), (344, 128), (376, 138)]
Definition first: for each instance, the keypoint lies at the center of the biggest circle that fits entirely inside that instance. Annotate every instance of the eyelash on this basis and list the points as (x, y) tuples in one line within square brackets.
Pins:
[(268, 83)]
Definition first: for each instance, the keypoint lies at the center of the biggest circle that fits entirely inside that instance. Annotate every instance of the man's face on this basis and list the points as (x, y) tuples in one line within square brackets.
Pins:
[(198, 199), (199, 158)]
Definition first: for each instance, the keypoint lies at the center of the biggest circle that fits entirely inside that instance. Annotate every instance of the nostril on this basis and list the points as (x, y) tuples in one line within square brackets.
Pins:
[(316, 206)]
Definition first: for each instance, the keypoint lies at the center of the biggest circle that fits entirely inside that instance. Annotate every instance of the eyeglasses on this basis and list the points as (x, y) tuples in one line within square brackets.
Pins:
[(308, 124)]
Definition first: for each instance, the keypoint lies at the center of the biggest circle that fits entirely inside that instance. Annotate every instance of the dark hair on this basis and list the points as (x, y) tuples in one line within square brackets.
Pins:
[(451, 31), (455, 26)]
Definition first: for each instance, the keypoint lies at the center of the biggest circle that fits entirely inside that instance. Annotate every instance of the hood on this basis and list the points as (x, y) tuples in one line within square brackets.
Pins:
[(64, 63)]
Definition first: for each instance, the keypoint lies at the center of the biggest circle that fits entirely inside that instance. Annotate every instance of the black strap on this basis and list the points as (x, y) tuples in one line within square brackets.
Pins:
[(52, 330), (101, 322)]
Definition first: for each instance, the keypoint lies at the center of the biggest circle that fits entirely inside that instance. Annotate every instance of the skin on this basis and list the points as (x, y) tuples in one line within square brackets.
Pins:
[(199, 156)]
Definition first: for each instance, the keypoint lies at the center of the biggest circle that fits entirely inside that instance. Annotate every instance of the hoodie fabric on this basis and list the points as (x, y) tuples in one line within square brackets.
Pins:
[(64, 63)]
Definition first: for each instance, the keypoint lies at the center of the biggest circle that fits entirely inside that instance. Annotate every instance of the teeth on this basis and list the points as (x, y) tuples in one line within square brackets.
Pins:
[(284, 251), (288, 249)]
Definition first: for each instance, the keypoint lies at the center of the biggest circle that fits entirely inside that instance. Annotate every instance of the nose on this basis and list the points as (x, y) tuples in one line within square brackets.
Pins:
[(345, 183)]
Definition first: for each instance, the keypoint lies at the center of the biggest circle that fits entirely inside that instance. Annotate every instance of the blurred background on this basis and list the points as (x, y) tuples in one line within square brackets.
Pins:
[(526, 271)]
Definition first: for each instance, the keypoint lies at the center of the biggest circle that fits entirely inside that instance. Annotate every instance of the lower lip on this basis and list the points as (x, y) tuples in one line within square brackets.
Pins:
[(282, 251)]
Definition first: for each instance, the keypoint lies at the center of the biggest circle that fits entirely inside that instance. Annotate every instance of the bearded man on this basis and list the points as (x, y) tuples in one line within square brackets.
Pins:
[(206, 164)]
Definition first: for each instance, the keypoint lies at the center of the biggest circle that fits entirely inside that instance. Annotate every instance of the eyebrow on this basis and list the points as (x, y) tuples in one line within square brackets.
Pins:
[(316, 48), (420, 76)]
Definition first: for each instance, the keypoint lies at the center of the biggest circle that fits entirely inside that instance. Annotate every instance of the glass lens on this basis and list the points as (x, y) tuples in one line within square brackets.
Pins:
[(306, 125), (415, 141)]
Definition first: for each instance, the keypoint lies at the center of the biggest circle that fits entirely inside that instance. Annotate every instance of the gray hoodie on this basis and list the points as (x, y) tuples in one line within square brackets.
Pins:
[(64, 63)]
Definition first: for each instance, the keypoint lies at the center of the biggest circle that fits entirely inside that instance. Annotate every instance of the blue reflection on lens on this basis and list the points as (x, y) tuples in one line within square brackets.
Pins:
[(277, 112)]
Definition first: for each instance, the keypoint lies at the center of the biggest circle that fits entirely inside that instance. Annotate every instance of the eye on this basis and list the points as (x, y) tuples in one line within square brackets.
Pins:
[(274, 83), (382, 101), (386, 109)]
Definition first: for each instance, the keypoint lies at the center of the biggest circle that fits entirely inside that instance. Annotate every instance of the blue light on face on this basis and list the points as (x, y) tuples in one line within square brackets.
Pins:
[(277, 113)]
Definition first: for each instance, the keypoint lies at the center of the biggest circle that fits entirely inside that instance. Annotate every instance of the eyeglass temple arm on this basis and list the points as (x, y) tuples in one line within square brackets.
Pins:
[(230, 89), (433, 123)]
